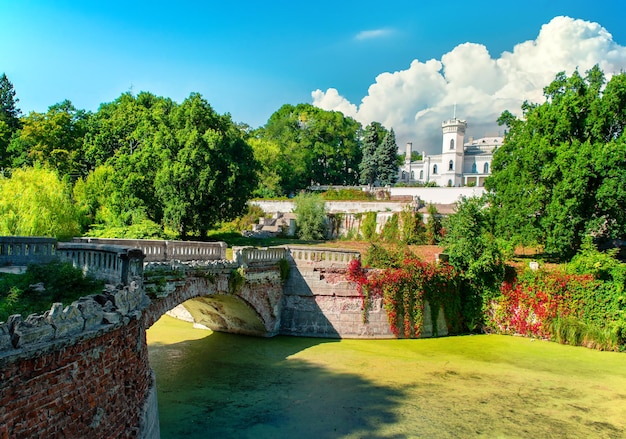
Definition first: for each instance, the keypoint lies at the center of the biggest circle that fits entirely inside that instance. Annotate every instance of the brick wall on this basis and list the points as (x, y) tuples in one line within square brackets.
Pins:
[(93, 388)]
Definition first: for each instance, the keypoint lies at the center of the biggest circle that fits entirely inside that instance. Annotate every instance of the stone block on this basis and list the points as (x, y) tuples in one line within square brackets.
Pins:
[(91, 311), (112, 318), (5, 337), (35, 329), (67, 322)]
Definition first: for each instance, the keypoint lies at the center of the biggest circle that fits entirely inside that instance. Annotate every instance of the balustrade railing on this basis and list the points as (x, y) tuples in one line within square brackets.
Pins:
[(24, 250), (113, 263), (255, 255), (304, 255), (160, 251)]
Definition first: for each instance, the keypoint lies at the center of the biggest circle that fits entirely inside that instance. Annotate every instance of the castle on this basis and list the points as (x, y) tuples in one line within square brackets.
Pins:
[(459, 164)]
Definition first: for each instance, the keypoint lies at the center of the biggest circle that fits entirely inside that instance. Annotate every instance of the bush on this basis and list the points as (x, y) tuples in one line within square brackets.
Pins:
[(310, 210), (21, 293)]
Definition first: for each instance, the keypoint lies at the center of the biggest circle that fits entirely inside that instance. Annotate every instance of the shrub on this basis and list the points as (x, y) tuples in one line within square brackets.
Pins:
[(310, 210), (368, 227), (61, 282)]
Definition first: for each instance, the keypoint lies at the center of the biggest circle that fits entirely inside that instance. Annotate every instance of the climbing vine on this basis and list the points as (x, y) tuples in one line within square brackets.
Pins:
[(404, 291)]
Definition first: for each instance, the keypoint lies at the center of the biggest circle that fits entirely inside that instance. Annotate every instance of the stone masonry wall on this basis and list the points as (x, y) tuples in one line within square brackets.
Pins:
[(320, 302)]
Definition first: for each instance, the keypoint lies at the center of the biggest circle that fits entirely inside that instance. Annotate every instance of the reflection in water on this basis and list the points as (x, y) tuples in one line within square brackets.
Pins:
[(213, 385), (229, 386)]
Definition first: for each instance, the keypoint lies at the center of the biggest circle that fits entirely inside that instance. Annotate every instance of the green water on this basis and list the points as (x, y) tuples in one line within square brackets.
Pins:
[(213, 385)]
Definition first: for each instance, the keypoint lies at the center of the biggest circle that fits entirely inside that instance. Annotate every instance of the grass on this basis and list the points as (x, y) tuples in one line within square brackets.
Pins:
[(61, 282)]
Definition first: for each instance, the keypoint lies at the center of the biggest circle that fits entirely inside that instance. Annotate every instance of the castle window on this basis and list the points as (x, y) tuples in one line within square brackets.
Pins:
[(449, 183), (434, 169), (403, 175), (451, 166), (421, 175), (486, 168), (474, 168), (412, 175), (451, 143)]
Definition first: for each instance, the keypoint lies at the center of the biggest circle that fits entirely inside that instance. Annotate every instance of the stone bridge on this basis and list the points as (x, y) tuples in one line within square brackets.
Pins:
[(82, 369)]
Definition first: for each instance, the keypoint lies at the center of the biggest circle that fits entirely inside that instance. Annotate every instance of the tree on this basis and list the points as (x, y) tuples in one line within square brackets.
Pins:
[(374, 134), (210, 175), (9, 117), (472, 248), (34, 202), (310, 210), (386, 158), (379, 165), (433, 226), (9, 113), (561, 172), (316, 146), (53, 139)]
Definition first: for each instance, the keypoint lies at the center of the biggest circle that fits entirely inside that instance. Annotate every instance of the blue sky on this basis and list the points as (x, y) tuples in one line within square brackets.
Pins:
[(249, 58)]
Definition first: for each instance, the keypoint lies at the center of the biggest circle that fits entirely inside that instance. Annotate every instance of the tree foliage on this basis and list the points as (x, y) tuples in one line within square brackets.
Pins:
[(53, 139), (310, 210), (561, 172), (34, 202), (379, 165), (315, 147)]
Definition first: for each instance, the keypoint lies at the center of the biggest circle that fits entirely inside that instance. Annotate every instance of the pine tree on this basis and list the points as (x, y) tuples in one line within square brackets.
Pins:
[(8, 112), (368, 168), (386, 159)]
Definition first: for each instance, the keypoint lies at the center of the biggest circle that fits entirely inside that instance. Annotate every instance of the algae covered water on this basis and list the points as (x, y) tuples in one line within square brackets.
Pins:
[(214, 385)]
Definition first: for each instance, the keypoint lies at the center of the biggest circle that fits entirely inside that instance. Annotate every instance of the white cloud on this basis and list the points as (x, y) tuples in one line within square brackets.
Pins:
[(371, 34), (415, 101)]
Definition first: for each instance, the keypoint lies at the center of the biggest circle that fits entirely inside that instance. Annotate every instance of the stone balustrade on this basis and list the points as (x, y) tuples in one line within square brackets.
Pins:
[(112, 263), (259, 256), (24, 250), (322, 256), (159, 250)]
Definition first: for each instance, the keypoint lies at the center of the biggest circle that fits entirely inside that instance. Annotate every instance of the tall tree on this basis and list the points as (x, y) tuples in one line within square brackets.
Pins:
[(317, 146), (374, 134), (9, 113), (9, 118), (386, 156), (210, 175), (53, 139), (561, 172)]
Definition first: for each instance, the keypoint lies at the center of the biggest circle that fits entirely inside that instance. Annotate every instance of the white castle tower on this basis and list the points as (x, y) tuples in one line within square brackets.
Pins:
[(452, 152)]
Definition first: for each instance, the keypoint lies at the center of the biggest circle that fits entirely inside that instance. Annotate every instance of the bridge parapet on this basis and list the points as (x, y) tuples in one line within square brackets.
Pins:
[(113, 263), (327, 257), (160, 250), (24, 250), (247, 256)]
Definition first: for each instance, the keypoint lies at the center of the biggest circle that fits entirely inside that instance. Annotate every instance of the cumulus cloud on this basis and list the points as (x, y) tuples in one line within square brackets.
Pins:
[(415, 101)]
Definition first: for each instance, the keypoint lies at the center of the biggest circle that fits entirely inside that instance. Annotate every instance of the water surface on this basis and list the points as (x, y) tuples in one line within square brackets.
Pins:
[(214, 385)]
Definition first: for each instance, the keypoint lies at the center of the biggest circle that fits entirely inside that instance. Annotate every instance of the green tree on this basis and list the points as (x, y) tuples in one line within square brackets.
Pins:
[(433, 226), (34, 202), (386, 157), (561, 172), (316, 147), (267, 154), (211, 175), (9, 117), (53, 139), (472, 248), (373, 137), (310, 210)]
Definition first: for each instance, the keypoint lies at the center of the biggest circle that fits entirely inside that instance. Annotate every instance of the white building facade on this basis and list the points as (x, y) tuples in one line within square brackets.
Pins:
[(459, 164)]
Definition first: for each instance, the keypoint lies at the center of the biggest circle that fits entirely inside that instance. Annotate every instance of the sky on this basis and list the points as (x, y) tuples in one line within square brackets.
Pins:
[(407, 64)]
